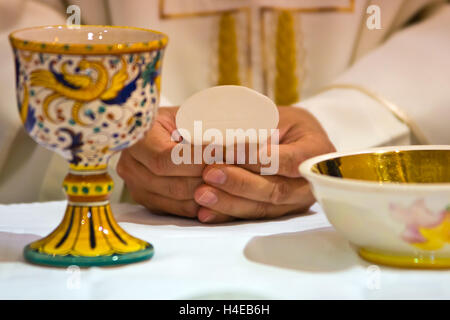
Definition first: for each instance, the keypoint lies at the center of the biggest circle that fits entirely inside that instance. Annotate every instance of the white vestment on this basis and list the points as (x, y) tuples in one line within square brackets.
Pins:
[(369, 85)]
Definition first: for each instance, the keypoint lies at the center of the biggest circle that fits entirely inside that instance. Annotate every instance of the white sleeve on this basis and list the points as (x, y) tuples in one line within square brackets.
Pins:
[(164, 101), (410, 72)]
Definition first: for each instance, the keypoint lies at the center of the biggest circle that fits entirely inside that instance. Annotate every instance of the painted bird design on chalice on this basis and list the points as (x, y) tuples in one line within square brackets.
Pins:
[(83, 88)]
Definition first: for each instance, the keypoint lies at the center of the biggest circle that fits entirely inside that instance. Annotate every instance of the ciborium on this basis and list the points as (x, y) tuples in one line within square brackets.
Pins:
[(87, 92), (391, 203)]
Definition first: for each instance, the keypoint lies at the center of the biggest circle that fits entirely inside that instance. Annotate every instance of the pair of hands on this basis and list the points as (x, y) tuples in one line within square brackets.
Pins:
[(221, 192)]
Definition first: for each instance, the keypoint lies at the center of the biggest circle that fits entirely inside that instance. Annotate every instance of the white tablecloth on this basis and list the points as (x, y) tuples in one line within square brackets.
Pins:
[(296, 257)]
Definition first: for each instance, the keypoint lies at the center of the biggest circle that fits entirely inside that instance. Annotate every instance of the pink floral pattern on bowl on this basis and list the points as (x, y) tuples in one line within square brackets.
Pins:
[(425, 229)]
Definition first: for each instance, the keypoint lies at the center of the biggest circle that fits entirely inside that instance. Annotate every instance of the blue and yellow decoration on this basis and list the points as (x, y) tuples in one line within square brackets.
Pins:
[(87, 101)]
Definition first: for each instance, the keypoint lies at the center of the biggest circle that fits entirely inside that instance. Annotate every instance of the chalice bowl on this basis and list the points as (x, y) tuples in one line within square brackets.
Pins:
[(87, 92)]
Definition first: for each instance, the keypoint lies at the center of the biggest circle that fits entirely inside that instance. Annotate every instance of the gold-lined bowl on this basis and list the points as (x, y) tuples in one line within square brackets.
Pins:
[(392, 203)]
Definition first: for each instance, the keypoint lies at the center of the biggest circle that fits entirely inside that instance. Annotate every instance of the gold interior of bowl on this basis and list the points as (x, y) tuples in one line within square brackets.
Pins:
[(409, 166)]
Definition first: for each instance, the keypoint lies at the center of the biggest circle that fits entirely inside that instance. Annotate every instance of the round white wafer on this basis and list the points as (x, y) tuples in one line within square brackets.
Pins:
[(223, 108)]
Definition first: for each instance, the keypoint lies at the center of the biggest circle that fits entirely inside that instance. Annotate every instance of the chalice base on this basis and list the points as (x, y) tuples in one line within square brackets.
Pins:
[(88, 235)]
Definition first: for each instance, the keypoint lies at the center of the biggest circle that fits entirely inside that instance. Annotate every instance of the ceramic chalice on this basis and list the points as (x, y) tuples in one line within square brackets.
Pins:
[(87, 92)]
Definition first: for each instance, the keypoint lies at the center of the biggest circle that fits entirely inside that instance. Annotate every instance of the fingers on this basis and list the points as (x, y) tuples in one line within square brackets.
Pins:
[(272, 159), (154, 151), (157, 203), (300, 137), (286, 158), (177, 188), (159, 194), (166, 118), (209, 216), (243, 183), (277, 160), (227, 204)]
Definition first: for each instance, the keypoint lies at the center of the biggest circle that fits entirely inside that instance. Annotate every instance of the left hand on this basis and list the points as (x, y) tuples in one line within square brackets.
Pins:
[(239, 191)]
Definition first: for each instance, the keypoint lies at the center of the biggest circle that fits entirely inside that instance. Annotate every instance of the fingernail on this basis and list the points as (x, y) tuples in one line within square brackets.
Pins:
[(207, 198), (216, 176), (176, 136), (206, 217)]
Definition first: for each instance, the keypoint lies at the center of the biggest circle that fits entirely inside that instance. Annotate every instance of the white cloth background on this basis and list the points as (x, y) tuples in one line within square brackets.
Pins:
[(296, 257)]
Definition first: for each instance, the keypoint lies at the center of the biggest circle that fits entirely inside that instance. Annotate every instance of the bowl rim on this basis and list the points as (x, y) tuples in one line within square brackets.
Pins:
[(84, 48), (306, 172)]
